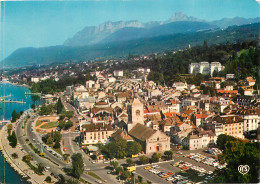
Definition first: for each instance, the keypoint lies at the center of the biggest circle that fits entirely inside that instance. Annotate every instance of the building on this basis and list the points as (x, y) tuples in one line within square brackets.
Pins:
[(181, 86), (230, 125), (135, 114), (251, 119), (205, 67), (96, 133), (230, 76), (199, 140), (150, 139), (118, 73)]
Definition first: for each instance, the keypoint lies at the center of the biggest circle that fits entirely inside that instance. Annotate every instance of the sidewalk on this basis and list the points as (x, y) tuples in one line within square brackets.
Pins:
[(17, 164)]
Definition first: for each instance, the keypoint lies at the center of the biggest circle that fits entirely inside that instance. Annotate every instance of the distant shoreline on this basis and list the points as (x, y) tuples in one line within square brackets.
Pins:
[(16, 84)]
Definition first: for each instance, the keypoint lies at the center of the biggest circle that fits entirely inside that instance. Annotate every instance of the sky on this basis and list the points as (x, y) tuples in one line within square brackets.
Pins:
[(48, 23)]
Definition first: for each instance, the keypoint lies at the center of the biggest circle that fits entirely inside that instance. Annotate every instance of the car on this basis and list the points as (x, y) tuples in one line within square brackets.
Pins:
[(169, 173), (185, 168), (173, 163), (108, 172), (209, 172), (170, 179), (179, 152), (165, 176), (147, 168), (188, 164), (176, 164), (106, 162), (155, 166)]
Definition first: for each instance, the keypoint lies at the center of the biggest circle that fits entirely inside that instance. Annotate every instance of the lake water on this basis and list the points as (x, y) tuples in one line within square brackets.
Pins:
[(17, 94), (6, 109)]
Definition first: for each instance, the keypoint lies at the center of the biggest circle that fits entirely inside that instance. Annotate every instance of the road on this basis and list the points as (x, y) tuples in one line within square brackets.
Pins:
[(72, 147), (21, 140), (53, 167)]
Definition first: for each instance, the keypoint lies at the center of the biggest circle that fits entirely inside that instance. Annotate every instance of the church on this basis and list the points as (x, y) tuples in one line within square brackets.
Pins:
[(150, 139)]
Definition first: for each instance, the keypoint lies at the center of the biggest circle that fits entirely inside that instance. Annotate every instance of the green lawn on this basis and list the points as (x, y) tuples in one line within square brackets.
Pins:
[(58, 150), (38, 123), (50, 125), (95, 175)]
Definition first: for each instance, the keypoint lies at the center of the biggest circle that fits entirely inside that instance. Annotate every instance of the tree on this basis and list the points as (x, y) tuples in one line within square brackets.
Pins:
[(144, 159), (238, 152), (14, 155), (59, 106), (49, 140), (33, 106), (125, 175), (222, 140), (140, 179), (68, 125), (114, 164), (56, 145), (9, 128), (57, 136), (48, 179), (168, 154), (40, 167), (121, 145), (119, 170), (27, 158), (12, 139), (111, 150), (133, 148), (61, 179), (61, 124), (77, 165), (156, 157), (15, 116), (129, 162)]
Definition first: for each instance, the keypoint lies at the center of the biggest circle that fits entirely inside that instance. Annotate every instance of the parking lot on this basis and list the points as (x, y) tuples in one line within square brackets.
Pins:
[(182, 169)]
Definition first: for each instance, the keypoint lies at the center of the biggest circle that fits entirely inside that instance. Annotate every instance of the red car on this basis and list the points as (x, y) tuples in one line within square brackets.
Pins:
[(185, 168), (169, 173)]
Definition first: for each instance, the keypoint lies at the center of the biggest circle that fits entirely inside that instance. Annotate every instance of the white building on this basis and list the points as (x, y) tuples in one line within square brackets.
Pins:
[(90, 84), (205, 67), (230, 76), (118, 73), (181, 86)]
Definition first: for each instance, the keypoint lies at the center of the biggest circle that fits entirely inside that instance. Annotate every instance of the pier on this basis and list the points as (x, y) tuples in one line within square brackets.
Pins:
[(39, 94), (11, 101), (2, 97)]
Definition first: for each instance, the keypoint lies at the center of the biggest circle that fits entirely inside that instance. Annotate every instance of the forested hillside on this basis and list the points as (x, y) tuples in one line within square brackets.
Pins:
[(241, 58)]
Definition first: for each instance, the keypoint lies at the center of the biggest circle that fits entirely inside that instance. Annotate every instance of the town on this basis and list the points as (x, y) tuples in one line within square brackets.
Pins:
[(110, 125)]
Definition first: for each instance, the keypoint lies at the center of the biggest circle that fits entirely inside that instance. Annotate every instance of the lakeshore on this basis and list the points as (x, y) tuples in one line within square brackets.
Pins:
[(11, 171)]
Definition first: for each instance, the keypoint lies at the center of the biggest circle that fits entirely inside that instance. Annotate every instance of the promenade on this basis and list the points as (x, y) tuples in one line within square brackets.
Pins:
[(17, 164)]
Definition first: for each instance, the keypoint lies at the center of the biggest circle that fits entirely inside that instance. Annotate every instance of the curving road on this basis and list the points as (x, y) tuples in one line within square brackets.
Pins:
[(31, 135)]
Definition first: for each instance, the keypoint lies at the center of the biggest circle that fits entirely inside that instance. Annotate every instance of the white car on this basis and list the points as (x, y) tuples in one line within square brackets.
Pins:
[(209, 172), (170, 179), (155, 166)]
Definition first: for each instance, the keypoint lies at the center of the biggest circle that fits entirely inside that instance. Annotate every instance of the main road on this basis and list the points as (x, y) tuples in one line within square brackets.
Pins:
[(33, 138)]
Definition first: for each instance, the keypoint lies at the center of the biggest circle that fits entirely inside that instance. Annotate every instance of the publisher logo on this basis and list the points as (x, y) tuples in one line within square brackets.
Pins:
[(243, 169)]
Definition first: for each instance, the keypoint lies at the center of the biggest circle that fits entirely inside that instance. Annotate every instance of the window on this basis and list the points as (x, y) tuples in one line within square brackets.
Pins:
[(137, 112), (150, 148), (158, 139)]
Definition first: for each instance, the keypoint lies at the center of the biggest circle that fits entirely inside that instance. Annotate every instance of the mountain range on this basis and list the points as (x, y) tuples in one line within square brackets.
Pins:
[(129, 30), (117, 39)]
